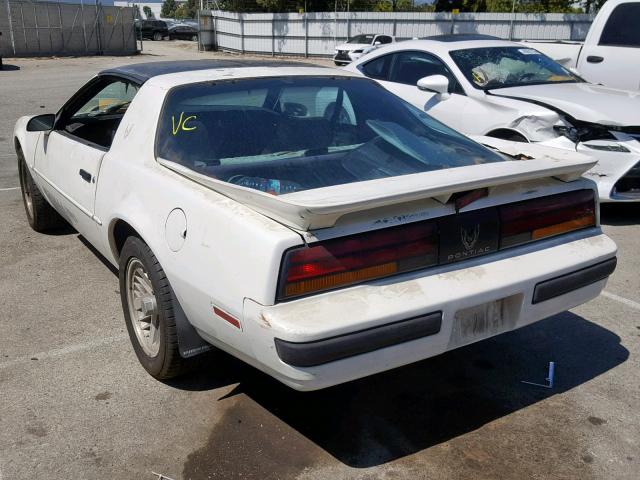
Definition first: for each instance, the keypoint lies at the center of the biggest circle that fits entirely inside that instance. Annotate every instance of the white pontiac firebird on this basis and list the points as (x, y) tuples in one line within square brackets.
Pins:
[(304, 219), (480, 85)]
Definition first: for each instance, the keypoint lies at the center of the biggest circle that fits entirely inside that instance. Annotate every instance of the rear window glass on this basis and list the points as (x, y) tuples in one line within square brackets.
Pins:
[(622, 28), (282, 135)]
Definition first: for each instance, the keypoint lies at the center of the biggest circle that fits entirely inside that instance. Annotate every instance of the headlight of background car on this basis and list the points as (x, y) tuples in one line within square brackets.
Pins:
[(567, 131), (357, 51), (586, 132)]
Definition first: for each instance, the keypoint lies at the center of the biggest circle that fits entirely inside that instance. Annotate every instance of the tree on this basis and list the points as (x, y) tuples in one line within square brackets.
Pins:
[(168, 9), (192, 8), (147, 11), (592, 5), (189, 9), (272, 5), (521, 6)]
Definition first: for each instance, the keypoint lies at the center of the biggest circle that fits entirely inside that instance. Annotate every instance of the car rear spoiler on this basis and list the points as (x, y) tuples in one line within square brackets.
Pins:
[(322, 207)]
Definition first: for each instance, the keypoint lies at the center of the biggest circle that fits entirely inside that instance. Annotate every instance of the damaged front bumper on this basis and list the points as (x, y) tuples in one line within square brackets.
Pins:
[(617, 173)]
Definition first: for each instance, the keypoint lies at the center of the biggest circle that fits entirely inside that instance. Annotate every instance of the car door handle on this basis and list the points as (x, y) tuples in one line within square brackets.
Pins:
[(86, 176), (594, 59)]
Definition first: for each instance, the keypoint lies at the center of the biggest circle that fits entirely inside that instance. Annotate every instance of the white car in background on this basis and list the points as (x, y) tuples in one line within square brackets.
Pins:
[(348, 234), (358, 46), (481, 85)]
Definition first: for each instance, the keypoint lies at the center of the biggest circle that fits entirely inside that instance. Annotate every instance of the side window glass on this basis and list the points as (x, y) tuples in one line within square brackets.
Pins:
[(114, 98), (409, 67), (622, 27), (98, 118), (383, 39), (378, 68)]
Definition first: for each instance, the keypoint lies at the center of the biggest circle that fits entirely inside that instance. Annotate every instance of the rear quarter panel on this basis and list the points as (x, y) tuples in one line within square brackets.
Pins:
[(230, 252)]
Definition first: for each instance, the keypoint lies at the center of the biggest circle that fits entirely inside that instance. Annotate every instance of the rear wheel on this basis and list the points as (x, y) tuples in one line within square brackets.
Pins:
[(40, 215), (148, 308), (194, 38), (157, 36)]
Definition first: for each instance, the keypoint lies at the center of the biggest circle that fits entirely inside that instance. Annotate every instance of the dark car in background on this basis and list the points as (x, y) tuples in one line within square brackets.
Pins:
[(183, 32), (152, 29)]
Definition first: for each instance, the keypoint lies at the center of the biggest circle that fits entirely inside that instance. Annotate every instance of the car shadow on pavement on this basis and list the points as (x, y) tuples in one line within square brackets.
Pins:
[(388, 416), (620, 214), (8, 67), (98, 255)]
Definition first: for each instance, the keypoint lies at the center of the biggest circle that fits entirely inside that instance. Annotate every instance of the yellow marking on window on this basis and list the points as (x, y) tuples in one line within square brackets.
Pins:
[(182, 123)]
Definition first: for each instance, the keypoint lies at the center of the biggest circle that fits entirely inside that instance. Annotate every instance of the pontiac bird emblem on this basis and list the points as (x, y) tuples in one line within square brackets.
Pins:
[(469, 236)]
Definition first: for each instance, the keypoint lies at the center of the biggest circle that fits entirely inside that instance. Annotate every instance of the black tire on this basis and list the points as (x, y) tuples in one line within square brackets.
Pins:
[(40, 214), (167, 363), (157, 36), (338, 64)]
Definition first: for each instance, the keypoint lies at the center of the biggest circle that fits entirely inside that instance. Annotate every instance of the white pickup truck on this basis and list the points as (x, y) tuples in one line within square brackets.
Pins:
[(610, 55)]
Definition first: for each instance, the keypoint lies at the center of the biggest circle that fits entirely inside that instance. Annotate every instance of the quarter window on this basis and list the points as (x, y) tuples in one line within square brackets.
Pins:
[(622, 27), (378, 68)]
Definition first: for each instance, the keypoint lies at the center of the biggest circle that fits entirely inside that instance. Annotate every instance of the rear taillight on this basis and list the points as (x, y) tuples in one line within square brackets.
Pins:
[(544, 217), (348, 260), (382, 253)]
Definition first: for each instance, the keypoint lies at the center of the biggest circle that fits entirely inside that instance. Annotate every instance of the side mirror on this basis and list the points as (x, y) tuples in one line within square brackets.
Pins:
[(41, 123), (435, 83), (377, 42)]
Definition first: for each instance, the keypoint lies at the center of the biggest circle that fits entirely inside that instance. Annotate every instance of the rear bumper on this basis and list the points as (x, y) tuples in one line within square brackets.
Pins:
[(573, 281), (319, 352), (335, 337)]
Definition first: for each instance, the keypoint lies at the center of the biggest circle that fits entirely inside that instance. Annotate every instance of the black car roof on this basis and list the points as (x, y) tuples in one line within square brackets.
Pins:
[(141, 72), (461, 37)]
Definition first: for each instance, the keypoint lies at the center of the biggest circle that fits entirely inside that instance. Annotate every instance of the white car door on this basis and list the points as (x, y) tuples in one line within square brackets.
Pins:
[(614, 58), (399, 73), (68, 158)]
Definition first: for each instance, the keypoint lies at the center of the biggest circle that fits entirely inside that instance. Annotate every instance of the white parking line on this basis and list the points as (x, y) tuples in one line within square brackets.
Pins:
[(10, 188), (626, 301), (60, 352)]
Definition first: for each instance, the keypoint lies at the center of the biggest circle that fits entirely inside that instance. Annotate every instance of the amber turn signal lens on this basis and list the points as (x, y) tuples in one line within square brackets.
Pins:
[(544, 217)]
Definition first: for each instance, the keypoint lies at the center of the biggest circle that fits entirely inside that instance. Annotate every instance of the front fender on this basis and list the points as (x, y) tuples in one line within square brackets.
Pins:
[(26, 140)]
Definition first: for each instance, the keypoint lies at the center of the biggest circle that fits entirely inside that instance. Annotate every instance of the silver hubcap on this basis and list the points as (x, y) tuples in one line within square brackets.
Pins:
[(143, 307)]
